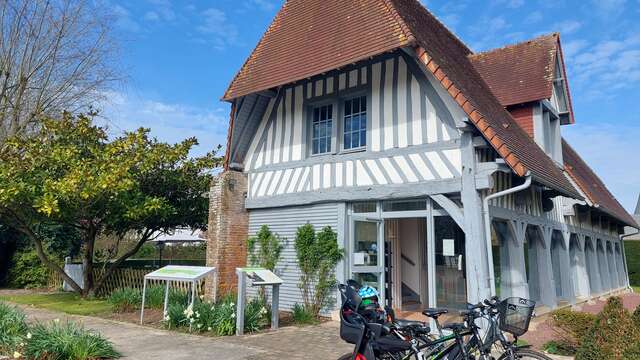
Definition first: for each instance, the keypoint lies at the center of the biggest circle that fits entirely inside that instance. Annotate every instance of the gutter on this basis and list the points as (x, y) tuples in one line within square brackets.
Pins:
[(624, 255), (487, 224)]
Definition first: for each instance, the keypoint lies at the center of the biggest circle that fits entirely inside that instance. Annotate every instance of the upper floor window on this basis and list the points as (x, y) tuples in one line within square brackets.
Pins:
[(322, 129), (355, 123)]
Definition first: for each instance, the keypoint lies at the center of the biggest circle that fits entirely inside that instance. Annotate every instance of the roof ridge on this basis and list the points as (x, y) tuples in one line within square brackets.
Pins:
[(509, 46)]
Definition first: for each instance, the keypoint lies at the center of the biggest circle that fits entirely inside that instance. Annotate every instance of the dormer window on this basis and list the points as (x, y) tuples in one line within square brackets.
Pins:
[(559, 97)]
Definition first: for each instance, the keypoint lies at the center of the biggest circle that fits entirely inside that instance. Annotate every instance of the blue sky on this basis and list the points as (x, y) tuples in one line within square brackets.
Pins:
[(179, 56)]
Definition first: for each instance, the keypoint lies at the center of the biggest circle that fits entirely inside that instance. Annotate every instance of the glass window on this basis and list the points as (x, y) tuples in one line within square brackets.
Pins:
[(371, 279), (365, 247), (404, 205), (322, 129), (355, 123), (364, 207)]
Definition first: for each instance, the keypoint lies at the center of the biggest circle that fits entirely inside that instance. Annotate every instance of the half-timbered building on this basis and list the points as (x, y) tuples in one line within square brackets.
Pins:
[(443, 171)]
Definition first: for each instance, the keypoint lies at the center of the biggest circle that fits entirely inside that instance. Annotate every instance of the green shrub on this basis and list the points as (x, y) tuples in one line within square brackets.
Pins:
[(256, 315), (570, 327), (13, 328), (265, 248), (317, 254), (225, 317), (612, 336), (27, 271), (176, 316), (125, 300), (301, 316), (558, 348), (68, 341), (155, 297)]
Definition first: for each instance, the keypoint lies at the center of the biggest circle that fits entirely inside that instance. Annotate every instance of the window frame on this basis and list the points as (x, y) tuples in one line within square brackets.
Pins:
[(367, 113), (336, 99), (310, 108)]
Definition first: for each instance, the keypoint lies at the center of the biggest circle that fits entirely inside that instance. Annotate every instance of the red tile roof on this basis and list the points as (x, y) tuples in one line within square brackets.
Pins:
[(309, 37), (591, 185), (447, 58), (523, 72), (519, 73)]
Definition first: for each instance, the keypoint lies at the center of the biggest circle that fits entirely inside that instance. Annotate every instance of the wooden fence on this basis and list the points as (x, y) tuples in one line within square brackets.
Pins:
[(127, 278)]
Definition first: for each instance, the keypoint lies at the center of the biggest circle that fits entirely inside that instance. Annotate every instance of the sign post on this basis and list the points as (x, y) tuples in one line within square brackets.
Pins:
[(175, 273), (258, 277)]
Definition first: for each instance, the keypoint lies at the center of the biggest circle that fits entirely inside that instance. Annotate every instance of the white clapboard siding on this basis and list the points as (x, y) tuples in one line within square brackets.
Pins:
[(285, 222)]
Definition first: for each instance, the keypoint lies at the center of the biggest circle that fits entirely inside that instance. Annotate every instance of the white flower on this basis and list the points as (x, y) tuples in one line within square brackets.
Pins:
[(16, 355), (188, 312), (201, 297), (233, 315), (192, 320), (21, 344), (232, 304), (209, 328), (167, 318), (263, 311), (197, 314), (56, 320), (28, 335), (199, 326)]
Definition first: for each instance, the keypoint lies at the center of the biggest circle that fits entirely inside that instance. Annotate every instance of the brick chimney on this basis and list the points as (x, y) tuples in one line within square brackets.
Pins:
[(228, 230)]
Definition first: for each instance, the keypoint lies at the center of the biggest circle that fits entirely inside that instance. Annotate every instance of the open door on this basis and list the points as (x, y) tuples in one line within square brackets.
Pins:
[(367, 256)]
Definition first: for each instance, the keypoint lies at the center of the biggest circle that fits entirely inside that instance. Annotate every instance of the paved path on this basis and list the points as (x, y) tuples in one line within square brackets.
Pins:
[(144, 343)]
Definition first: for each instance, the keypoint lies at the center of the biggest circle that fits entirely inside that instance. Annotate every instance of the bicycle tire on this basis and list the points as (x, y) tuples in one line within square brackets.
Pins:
[(524, 354)]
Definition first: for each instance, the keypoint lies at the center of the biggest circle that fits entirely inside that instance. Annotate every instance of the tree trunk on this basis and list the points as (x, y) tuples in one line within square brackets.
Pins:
[(112, 267), (50, 264)]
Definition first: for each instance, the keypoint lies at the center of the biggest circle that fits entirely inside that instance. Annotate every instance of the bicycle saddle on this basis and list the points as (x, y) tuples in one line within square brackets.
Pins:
[(434, 312)]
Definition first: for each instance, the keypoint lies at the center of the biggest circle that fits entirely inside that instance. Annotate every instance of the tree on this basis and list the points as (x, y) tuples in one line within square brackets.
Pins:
[(268, 251), (318, 255), (70, 173), (54, 55)]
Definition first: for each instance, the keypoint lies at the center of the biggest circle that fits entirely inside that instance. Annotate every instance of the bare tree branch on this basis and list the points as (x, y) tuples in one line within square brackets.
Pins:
[(54, 56)]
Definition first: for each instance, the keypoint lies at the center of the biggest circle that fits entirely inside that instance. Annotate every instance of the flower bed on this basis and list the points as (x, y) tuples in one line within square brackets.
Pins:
[(54, 340)]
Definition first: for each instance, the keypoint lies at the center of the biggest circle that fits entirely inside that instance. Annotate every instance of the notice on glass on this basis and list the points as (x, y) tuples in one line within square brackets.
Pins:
[(448, 247), (359, 258)]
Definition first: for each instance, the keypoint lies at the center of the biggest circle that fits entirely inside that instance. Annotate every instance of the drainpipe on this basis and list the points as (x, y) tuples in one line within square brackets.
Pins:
[(487, 225), (624, 256)]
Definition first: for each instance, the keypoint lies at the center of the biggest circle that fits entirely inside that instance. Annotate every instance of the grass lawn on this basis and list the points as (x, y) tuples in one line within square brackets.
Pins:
[(632, 250), (64, 302)]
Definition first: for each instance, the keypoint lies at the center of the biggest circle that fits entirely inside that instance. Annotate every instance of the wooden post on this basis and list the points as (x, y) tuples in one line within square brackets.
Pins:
[(242, 285), (275, 302), (144, 293)]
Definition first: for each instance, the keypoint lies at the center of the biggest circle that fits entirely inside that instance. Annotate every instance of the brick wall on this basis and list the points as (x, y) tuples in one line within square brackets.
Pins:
[(523, 115), (228, 229)]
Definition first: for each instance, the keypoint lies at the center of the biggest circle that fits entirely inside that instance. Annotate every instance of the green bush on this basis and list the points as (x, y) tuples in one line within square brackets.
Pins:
[(613, 335), (219, 318), (632, 252), (317, 254), (68, 341), (301, 316), (256, 315), (557, 347), (570, 327), (265, 248), (13, 328), (27, 271), (125, 300)]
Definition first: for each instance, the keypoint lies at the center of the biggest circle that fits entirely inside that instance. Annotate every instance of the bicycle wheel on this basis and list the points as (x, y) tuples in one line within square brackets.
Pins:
[(524, 354)]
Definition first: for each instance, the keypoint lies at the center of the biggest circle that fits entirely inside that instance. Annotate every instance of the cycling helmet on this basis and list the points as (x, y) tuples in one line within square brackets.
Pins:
[(367, 292)]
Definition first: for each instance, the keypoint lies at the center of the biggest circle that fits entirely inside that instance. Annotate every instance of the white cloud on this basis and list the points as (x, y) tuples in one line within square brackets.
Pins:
[(513, 4), (571, 48), (216, 29), (162, 10), (124, 20), (567, 27), (169, 122), (609, 151), (606, 66), (488, 32), (265, 5), (534, 17)]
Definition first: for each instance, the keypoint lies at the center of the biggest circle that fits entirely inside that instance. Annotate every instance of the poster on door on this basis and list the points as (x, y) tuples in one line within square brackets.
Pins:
[(448, 247)]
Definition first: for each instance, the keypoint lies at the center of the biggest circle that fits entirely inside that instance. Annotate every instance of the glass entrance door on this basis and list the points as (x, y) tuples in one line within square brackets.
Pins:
[(367, 255), (451, 282)]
